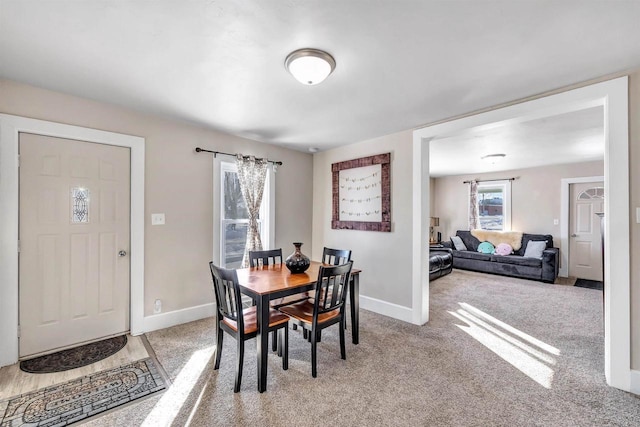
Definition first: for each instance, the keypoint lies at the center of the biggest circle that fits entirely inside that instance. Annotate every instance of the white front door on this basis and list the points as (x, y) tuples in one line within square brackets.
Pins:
[(585, 243), (74, 242)]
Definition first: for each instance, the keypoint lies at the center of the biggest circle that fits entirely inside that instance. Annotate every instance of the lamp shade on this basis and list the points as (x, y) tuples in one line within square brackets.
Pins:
[(310, 66), (435, 221)]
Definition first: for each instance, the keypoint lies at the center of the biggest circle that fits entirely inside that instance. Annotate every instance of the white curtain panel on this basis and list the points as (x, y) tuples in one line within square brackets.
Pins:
[(474, 216), (252, 173)]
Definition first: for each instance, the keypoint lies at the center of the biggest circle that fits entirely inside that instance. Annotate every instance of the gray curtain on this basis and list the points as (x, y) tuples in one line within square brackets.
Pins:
[(252, 173), (474, 216)]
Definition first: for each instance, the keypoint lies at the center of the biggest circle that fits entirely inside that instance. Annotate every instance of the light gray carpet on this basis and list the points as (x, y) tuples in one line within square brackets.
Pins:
[(402, 374)]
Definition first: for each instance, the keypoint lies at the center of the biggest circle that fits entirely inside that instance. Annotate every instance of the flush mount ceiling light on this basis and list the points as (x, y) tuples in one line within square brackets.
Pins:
[(310, 66), (493, 158)]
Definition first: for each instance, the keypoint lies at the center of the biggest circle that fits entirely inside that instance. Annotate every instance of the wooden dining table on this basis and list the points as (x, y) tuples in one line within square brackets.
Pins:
[(266, 283)]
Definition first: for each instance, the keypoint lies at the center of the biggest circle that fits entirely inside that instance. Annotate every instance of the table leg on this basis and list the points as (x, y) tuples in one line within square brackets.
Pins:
[(354, 300), (262, 341)]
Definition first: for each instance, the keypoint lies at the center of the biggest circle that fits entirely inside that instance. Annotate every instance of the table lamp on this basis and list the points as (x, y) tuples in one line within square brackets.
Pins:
[(434, 222)]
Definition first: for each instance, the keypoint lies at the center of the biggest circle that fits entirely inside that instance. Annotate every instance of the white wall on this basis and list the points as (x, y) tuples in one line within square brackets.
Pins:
[(385, 258), (178, 182), (535, 197)]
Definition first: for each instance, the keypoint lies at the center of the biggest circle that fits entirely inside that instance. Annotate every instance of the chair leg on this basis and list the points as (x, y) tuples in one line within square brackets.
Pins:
[(274, 340), (343, 354), (219, 337), (319, 336), (236, 388), (294, 327), (304, 333), (314, 347), (284, 342)]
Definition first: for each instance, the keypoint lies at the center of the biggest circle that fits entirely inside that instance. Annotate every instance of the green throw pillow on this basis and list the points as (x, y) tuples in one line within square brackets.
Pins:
[(486, 248)]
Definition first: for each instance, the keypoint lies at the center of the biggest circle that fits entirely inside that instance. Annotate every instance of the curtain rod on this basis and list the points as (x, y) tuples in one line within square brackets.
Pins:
[(489, 180), (215, 153)]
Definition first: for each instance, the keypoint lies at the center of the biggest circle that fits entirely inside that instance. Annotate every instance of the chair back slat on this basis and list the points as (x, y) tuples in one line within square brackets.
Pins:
[(331, 288), (336, 256), (257, 258), (227, 293)]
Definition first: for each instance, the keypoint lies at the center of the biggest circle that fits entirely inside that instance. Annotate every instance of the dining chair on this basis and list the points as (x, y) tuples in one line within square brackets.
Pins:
[(270, 257), (326, 309), (242, 324), (336, 256)]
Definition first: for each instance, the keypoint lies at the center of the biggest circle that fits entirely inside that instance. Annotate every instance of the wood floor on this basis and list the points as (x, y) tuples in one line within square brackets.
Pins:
[(14, 382)]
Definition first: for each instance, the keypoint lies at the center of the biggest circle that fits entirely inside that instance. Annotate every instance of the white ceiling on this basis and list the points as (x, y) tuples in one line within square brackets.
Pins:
[(572, 137), (400, 63)]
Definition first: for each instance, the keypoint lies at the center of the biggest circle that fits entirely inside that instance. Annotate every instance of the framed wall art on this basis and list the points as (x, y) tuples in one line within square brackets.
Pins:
[(362, 194)]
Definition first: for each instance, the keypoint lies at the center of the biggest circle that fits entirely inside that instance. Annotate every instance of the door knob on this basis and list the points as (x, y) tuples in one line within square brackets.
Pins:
[(122, 253), (574, 235)]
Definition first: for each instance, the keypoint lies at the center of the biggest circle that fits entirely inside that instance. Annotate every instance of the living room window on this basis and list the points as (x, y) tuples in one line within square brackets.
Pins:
[(494, 205), (234, 217)]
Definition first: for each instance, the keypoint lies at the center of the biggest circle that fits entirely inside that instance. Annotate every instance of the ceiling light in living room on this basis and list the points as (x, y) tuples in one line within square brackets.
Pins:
[(310, 66), (493, 158)]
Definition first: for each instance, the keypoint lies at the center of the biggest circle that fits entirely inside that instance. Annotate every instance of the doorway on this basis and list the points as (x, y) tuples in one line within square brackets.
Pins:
[(10, 129), (612, 94)]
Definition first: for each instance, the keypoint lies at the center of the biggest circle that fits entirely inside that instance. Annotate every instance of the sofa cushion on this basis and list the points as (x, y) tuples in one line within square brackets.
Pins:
[(535, 248), (458, 243), (504, 249), (469, 241), (472, 255), (486, 248), (518, 260), (535, 237)]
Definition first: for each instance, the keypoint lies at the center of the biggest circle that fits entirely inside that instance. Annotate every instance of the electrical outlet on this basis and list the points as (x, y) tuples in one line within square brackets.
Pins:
[(556, 221), (157, 307), (157, 219)]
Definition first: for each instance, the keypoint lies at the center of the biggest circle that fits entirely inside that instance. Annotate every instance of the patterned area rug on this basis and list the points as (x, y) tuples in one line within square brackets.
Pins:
[(74, 357), (81, 398)]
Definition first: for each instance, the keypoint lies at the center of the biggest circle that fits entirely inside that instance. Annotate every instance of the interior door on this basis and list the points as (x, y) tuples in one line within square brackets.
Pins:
[(585, 247), (74, 242)]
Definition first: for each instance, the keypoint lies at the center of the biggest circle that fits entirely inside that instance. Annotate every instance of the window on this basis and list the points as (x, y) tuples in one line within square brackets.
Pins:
[(233, 218), (592, 193), (494, 205)]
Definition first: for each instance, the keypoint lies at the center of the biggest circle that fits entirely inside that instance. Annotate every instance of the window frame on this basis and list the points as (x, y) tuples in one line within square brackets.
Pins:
[(505, 187), (267, 210)]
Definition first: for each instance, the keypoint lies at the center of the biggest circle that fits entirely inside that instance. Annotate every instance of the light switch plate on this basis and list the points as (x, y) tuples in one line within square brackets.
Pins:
[(157, 219), (637, 215), (556, 221)]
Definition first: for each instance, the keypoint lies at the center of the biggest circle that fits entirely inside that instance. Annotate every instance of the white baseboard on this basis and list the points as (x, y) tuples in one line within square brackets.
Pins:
[(635, 382), (177, 317), (386, 308)]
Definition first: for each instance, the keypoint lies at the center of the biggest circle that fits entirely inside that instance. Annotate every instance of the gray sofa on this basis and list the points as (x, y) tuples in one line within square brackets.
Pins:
[(516, 265)]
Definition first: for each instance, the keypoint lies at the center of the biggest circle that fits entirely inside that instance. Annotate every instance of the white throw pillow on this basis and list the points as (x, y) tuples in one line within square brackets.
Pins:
[(458, 243), (535, 248)]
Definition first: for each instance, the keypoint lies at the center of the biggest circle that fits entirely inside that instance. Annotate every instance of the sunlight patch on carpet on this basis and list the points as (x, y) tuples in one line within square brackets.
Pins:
[(541, 344), (511, 344), (168, 407)]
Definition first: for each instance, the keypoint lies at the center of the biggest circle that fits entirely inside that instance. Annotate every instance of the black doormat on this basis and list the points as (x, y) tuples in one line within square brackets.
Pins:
[(74, 357), (591, 284), (76, 400)]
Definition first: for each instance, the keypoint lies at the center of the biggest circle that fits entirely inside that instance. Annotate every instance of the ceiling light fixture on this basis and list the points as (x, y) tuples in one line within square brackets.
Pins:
[(493, 158), (310, 66)]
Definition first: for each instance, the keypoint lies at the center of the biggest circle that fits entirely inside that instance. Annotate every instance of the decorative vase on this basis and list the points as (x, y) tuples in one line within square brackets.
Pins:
[(297, 262)]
